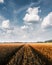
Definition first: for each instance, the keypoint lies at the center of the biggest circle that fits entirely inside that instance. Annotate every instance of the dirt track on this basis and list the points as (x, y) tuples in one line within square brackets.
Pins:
[(28, 56)]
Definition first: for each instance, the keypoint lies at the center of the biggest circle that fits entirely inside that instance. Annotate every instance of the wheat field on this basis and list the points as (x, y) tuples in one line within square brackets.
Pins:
[(25, 53)]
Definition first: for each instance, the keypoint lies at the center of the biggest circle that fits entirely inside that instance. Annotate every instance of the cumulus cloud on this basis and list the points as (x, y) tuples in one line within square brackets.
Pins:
[(1, 1), (6, 24), (47, 21), (32, 15), (24, 27)]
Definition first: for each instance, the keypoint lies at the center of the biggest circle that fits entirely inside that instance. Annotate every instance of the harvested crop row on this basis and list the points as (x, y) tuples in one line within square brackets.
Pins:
[(17, 58)]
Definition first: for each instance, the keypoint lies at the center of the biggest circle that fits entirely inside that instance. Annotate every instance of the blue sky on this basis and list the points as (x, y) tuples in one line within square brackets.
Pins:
[(25, 20)]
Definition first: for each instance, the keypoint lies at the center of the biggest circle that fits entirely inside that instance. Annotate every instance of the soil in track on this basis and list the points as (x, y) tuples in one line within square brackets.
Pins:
[(41, 57), (28, 56), (5, 60)]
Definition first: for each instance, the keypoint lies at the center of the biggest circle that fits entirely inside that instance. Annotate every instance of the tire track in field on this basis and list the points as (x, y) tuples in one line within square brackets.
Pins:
[(41, 57), (11, 55), (28, 56), (17, 58)]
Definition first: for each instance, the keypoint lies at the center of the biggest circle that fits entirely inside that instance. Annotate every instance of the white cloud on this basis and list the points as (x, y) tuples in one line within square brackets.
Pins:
[(32, 15), (18, 34), (47, 21), (1, 1), (24, 27), (5, 24)]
